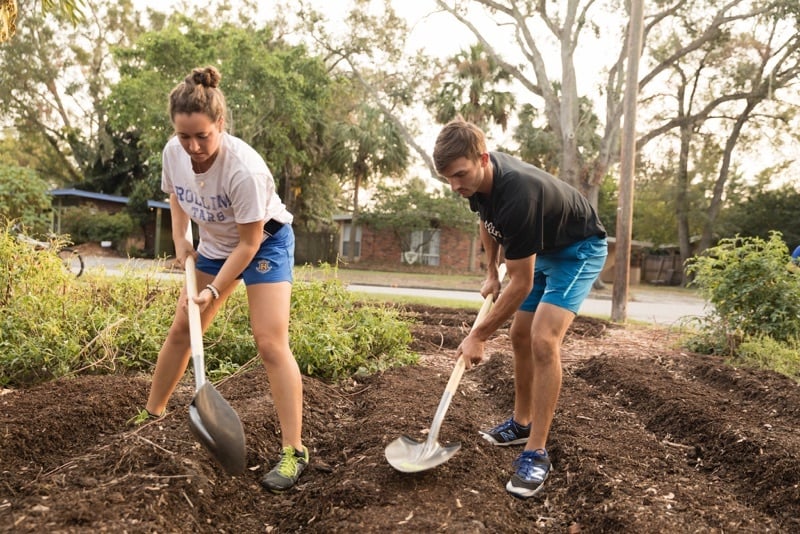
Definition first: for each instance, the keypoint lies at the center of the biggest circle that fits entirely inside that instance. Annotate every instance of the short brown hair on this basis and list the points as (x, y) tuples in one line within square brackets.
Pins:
[(458, 139), (198, 93)]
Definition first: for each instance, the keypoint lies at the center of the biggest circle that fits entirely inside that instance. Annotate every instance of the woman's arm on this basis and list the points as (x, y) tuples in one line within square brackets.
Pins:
[(180, 222), (250, 237)]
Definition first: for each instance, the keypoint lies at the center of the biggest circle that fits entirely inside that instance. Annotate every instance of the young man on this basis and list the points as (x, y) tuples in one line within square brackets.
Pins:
[(554, 248)]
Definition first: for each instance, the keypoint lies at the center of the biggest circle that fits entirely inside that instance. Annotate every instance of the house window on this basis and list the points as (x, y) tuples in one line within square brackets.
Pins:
[(424, 247), (344, 248)]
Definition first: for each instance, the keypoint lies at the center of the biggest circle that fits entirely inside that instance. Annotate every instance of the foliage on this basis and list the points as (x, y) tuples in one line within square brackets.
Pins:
[(92, 225), (278, 99), (118, 168), (761, 210), (473, 90), (53, 325), (71, 8), (24, 198), (334, 337), (766, 353), (540, 145), (754, 290), (607, 204), (406, 208), (55, 77), (366, 146)]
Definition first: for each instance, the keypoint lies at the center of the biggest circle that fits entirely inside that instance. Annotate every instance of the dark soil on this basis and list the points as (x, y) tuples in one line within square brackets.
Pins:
[(647, 438)]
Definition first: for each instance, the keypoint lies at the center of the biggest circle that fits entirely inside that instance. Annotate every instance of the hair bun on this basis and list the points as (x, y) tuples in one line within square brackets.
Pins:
[(206, 76)]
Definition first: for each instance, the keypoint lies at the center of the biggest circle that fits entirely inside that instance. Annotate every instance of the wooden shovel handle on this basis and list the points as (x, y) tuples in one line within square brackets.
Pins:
[(458, 371), (195, 323)]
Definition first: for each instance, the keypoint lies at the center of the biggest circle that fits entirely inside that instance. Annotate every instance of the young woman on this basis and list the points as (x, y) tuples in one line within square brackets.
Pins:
[(222, 184)]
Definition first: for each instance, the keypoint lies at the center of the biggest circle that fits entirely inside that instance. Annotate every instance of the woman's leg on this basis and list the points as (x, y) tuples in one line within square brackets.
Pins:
[(175, 352), (269, 318)]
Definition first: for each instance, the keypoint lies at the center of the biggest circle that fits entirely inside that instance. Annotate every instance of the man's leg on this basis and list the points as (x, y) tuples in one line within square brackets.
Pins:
[(520, 334), (532, 466), (570, 274), (550, 324)]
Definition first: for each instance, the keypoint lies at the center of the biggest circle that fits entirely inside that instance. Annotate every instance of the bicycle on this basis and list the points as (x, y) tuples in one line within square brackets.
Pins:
[(72, 260)]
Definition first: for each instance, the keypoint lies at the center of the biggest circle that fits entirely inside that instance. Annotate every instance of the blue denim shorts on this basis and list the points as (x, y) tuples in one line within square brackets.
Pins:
[(272, 263), (564, 277)]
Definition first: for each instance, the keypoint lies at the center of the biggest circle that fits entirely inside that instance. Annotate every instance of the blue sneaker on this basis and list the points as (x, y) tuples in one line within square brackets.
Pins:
[(507, 433), (531, 470)]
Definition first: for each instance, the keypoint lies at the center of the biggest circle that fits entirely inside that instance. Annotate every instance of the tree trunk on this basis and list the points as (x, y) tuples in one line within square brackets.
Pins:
[(682, 198), (351, 253), (715, 205)]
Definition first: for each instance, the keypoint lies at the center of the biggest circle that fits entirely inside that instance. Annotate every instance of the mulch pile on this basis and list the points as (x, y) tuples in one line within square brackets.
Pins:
[(647, 438)]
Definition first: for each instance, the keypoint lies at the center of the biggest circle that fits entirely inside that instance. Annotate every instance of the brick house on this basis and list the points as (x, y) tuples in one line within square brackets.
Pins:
[(434, 250)]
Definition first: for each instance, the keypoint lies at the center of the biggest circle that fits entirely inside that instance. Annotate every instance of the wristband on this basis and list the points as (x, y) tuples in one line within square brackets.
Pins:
[(214, 291)]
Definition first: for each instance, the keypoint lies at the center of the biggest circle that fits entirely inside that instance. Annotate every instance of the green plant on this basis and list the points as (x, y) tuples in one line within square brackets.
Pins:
[(334, 336), (766, 353), (748, 282), (24, 198), (93, 225), (54, 325)]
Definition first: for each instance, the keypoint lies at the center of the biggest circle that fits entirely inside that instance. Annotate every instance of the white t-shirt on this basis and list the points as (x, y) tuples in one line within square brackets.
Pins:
[(237, 189)]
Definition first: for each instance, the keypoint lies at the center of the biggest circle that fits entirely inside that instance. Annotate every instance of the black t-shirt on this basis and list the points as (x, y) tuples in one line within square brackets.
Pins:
[(530, 211)]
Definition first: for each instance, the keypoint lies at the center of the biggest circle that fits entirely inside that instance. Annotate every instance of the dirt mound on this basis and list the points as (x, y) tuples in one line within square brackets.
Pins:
[(646, 439)]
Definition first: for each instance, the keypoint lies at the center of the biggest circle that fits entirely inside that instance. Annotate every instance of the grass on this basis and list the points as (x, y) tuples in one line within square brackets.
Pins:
[(461, 282), (408, 299)]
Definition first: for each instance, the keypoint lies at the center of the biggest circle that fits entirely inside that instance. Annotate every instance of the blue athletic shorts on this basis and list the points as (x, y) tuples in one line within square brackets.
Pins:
[(564, 277), (272, 263)]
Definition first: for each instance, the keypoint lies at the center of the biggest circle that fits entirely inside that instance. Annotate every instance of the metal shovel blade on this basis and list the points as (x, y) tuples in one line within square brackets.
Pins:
[(217, 427), (408, 455)]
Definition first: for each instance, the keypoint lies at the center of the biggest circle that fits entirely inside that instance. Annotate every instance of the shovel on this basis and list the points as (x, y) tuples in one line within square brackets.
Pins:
[(408, 455), (212, 420)]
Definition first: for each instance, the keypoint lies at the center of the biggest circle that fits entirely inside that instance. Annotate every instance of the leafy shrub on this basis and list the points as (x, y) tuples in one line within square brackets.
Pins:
[(766, 353), (24, 198), (334, 337), (52, 324), (752, 288), (93, 225)]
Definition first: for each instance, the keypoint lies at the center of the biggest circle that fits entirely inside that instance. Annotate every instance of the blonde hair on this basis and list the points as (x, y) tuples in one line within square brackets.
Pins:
[(199, 93), (458, 139)]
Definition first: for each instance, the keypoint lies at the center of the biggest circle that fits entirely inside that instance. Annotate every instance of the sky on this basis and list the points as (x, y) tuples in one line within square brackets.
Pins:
[(434, 32), (439, 34)]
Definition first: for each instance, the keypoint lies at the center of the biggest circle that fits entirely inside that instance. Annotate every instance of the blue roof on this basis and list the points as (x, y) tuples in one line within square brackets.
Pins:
[(71, 192)]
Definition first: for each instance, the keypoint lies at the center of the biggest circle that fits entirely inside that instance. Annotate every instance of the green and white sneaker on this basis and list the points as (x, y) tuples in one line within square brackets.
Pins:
[(144, 416), (285, 474)]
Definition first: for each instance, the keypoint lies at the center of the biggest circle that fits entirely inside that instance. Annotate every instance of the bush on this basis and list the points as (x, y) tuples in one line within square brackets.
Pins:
[(755, 293), (53, 325), (24, 198), (93, 225), (766, 353)]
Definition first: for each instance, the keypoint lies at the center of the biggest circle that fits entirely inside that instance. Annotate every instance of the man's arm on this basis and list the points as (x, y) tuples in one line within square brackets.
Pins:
[(519, 286), (521, 281), (492, 250)]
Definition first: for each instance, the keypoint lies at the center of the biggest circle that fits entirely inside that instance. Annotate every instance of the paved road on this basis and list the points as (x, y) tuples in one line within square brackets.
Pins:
[(647, 306), (650, 306)]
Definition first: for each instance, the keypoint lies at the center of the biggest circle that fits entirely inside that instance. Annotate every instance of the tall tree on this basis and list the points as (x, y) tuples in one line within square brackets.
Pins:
[(366, 146), (735, 78), (375, 36), (563, 22), (54, 77), (473, 88), (572, 22), (277, 94), (9, 10)]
